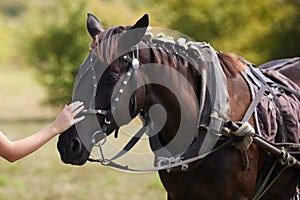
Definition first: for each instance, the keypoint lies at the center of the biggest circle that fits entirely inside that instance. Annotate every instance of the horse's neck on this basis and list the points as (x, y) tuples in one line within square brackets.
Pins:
[(174, 86)]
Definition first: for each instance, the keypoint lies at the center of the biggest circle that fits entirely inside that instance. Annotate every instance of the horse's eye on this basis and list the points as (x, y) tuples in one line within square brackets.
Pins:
[(112, 78)]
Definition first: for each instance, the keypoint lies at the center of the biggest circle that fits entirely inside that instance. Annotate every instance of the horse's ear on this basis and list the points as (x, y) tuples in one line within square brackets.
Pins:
[(135, 34), (93, 25), (143, 22)]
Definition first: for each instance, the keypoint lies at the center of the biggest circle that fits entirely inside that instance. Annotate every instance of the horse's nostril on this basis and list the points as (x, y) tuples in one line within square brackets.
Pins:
[(76, 146)]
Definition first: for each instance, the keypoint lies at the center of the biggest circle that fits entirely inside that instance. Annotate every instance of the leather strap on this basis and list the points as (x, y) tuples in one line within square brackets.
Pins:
[(254, 103), (131, 143)]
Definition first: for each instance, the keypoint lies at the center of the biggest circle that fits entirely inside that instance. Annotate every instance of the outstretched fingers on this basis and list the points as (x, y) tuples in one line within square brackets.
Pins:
[(76, 120), (75, 108)]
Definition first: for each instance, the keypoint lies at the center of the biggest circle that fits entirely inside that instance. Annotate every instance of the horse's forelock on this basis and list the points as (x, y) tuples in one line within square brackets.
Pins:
[(106, 44)]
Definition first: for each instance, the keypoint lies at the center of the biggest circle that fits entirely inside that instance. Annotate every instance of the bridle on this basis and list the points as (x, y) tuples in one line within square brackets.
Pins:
[(131, 74), (129, 77)]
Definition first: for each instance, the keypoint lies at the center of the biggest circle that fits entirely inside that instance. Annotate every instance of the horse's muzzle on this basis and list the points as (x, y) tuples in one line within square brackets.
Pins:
[(71, 149)]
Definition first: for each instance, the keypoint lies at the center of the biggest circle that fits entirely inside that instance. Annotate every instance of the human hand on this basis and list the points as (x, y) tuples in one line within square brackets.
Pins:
[(66, 118)]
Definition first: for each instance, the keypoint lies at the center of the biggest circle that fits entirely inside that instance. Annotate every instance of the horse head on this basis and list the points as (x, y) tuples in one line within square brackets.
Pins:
[(112, 57)]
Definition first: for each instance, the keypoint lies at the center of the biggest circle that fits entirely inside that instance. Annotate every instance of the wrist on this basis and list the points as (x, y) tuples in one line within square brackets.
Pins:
[(53, 130)]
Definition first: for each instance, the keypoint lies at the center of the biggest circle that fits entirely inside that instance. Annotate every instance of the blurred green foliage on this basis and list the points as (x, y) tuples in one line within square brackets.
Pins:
[(52, 36), (58, 48), (257, 30)]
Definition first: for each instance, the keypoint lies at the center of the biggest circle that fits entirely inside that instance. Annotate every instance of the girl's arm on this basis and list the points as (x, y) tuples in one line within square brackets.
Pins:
[(15, 150)]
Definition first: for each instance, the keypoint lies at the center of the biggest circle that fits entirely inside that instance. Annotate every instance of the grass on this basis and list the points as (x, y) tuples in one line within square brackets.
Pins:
[(42, 176)]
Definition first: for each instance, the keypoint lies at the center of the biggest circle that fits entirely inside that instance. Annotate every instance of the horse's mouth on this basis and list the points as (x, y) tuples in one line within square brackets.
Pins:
[(73, 161), (68, 157)]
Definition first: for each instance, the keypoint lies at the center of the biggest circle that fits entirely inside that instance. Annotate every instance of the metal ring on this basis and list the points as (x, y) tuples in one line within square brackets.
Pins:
[(94, 135)]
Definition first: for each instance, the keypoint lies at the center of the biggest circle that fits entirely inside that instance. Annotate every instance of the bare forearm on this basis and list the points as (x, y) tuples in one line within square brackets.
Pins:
[(23, 147), (18, 149)]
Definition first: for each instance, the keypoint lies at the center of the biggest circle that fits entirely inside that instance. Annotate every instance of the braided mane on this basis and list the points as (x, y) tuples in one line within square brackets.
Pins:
[(169, 50), (230, 62)]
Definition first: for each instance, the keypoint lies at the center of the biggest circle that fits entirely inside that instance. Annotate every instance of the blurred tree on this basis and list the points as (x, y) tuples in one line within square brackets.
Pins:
[(283, 37), (254, 29), (59, 40), (58, 48)]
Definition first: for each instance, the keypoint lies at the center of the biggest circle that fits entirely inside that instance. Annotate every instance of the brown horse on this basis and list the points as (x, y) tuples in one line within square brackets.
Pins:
[(226, 173)]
